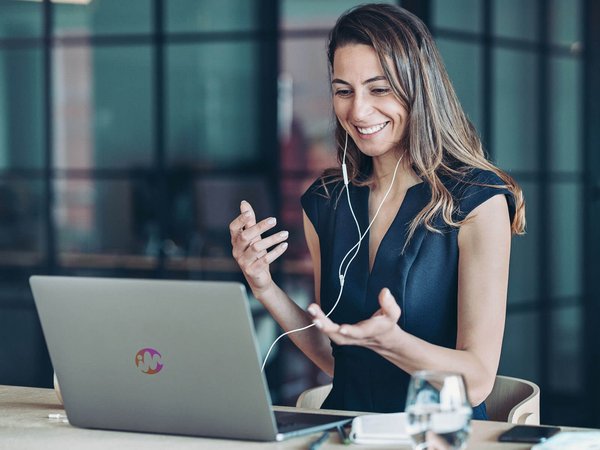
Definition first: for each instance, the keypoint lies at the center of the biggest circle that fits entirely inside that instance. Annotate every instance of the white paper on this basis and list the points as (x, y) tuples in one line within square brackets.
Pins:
[(571, 440), (380, 429)]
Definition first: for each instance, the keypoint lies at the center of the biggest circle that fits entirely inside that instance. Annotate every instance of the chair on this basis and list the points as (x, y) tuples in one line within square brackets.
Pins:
[(313, 398), (512, 400)]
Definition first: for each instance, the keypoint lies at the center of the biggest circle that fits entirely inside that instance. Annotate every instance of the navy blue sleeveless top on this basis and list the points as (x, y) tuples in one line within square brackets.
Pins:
[(423, 280)]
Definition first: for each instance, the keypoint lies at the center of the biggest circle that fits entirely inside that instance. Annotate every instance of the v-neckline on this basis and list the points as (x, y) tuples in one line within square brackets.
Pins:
[(366, 220)]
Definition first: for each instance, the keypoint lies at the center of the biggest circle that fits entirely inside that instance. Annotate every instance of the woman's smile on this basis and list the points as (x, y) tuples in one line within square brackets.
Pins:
[(370, 131)]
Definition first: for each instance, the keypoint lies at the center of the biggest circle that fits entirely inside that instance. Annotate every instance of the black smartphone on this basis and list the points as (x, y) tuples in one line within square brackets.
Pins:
[(528, 433)]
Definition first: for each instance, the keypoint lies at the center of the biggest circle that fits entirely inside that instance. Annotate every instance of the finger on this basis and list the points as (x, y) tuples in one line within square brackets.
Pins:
[(263, 260), (248, 236), (275, 253), (270, 241), (389, 306), (249, 258), (380, 322), (321, 321), (258, 248), (239, 246), (247, 210), (242, 221), (366, 329)]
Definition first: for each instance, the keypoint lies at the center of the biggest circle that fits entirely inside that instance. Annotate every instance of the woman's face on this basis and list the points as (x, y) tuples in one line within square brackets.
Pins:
[(364, 102)]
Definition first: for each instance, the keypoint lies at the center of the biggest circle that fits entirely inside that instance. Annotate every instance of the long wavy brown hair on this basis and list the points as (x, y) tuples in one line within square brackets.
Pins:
[(438, 139)]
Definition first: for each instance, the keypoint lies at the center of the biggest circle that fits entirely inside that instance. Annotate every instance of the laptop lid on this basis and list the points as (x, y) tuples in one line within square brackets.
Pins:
[(162, 356)]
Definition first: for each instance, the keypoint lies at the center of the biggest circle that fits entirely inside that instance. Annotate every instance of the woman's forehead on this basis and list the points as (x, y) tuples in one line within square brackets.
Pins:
[(356, 60)]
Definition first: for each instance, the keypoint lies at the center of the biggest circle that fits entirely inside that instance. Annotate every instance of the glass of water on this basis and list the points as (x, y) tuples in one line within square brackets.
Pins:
[(438, 410)]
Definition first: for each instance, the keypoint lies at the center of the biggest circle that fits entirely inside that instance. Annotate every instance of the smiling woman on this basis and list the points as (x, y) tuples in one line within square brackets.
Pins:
[(428, 292), (364, 102)]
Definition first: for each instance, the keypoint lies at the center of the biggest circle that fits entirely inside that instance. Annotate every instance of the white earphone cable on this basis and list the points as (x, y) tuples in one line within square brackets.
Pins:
[(356, 246)]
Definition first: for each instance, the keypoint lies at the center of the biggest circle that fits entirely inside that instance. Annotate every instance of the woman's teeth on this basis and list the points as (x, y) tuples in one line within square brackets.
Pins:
[(373, 129)]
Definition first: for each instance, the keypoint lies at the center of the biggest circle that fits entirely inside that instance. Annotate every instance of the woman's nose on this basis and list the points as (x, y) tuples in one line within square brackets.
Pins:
[(361, 108)]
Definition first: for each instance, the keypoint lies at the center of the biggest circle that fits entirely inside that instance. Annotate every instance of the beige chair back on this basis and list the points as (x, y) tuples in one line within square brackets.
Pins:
[(512, 400), (313, 398)]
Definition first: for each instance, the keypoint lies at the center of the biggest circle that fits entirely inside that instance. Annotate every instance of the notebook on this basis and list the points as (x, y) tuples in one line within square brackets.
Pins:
[(387, 428), (174, 357)]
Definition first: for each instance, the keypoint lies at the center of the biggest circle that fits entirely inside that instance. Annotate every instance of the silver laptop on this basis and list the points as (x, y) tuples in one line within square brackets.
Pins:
[(176, 357)]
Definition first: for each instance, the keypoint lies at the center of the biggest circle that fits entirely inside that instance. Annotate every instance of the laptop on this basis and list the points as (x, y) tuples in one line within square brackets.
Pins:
[(174, 357)]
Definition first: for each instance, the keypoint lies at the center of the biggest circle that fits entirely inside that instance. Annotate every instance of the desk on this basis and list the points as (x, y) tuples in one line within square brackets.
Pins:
[(24, 424)]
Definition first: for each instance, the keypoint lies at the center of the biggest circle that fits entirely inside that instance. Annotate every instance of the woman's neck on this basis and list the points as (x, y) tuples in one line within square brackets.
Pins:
[(383, 173)]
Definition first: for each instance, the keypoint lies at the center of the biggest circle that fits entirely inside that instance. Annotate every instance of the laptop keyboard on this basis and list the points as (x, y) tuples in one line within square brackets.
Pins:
[(287, 421)]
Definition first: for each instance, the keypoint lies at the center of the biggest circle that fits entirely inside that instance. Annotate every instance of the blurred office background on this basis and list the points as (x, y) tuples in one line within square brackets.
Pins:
[(130, 131)]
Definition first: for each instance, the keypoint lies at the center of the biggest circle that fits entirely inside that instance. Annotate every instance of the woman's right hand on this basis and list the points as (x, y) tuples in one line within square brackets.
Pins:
[(250, 250)]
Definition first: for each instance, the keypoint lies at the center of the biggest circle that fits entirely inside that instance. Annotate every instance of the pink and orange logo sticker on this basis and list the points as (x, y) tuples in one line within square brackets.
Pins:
[(149, 361)]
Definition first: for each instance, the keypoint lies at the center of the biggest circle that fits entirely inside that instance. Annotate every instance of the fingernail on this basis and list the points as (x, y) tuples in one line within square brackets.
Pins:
[(318, 324), (343, 331), (284, 234), (312, 310), (243, 202), (284, 245), (271, 220)]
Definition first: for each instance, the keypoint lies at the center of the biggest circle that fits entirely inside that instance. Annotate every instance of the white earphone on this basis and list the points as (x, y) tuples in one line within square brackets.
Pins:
[(361, 236)]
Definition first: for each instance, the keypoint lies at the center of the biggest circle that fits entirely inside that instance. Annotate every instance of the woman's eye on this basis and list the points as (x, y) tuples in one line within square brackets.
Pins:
[(381, 91), (343, 92)]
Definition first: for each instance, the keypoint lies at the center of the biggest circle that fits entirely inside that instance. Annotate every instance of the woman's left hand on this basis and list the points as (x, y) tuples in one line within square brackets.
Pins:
[(373, 332)]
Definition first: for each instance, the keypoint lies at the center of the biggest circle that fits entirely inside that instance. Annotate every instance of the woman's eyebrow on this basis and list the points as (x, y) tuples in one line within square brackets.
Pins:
[(370, 80)]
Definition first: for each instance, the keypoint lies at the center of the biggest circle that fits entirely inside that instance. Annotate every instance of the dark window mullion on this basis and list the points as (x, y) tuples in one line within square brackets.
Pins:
[(487, 84), (545, 316), (591, 213), (50, 226), (268, 66), (160, 160)]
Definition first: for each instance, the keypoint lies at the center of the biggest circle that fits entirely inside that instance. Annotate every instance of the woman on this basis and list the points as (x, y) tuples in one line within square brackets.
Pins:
[(427, 287)]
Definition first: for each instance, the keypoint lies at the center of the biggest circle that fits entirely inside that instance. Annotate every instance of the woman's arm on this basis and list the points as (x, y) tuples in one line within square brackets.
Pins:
[(251, 251), (484, 250)]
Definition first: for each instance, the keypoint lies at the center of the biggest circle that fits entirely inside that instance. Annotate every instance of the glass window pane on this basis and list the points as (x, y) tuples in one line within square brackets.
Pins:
[(21, 109), (217, 202), (103, 107), (212, 15), (463, 62), (565, 21), (566, 373), (24, 347), (516, 19), (461, 15), (312, 14), (99, 220), (22, 234), (101, 17), (200, 212), (515, 110), (20, 19), (305, 95), (305, 127), (214, 107), (566, 142), (566, 237), (521, 347), (523, 285)]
